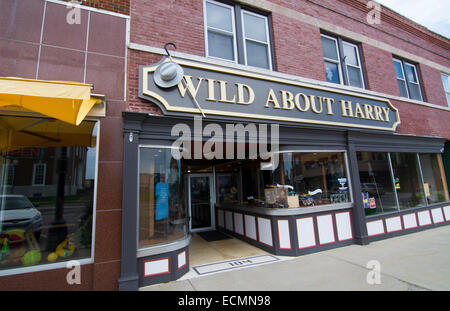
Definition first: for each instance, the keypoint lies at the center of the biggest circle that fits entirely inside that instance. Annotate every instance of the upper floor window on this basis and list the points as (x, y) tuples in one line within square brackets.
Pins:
[(342, 61), (408, 79), (235, 34), (446, 83)]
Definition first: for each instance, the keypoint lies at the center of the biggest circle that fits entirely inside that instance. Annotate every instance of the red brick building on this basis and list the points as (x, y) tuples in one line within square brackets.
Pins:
[(329, 49)]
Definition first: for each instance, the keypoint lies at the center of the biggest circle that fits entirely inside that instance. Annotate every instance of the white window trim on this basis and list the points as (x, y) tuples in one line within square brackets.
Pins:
[(338, 61), (245, 38), (417, 79), (82, 261), (35, 165), (206, 27), (404, 76), (359, 62), (446, 91)]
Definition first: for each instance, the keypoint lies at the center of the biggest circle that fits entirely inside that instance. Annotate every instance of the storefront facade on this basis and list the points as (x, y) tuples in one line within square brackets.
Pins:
[(296, 128), (346, 172)]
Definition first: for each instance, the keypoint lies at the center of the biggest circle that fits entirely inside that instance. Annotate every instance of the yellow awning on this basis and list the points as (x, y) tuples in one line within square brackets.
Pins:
[(22, 132), (66, 101)]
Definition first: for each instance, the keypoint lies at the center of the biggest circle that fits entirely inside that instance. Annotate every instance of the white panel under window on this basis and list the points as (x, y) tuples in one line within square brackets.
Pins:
[(325, 229), (305, 232), (250, 227), (424, 218), (375, 227), (238, 223), (156, 267), (181, 259), (284, 234), (229, 220), (410, 221), (447, 212), (393, 224), (438, 217), (265, 231), (344, 226)]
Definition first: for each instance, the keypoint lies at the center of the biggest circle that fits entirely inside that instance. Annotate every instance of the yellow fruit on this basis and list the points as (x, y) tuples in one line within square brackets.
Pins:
[(52, 257)]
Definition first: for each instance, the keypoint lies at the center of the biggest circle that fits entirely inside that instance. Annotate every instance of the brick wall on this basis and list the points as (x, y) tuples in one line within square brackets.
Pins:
[(95, 55), (298, 49)]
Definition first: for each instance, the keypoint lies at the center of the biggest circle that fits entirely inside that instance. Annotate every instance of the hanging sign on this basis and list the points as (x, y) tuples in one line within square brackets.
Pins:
[(227, 92)]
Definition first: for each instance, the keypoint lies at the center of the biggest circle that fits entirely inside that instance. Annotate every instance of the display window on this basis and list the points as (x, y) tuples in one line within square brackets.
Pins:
[(301, 179), (377, 190), (407, 180), (398, 181), (433, 178), (162, 206), (48, 182)]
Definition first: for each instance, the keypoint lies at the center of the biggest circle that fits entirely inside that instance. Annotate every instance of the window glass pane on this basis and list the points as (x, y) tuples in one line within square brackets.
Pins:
[(414, 91), (317, 178), (350, 53), (220, 45), (257, 54), (227, 186), (398, 69), (46, 206), (410, 73), (329, 48), (402, 88), (332, 72), (354, 76), (407, 180), (255, 27), (433, 178), (162, 212), (376, 183), (219, 17), (446, 83)]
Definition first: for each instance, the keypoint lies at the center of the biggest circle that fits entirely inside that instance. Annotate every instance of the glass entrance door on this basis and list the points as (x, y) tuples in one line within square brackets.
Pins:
[(201, 202)]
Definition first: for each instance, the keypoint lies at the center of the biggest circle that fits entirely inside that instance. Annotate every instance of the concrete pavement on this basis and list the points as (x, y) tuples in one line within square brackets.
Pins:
[(418, 261)]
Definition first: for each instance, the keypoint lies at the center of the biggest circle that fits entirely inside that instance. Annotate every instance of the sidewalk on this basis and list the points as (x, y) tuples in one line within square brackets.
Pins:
[(418, 261)]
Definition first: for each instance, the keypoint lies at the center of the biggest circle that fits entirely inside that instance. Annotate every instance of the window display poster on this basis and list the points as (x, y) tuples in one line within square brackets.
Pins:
[(162, 200), (365, 197)]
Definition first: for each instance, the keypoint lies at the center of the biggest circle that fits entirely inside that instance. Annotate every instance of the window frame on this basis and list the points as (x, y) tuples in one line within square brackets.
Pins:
[(206, 29), (358, 54), (347, 172), (239, 40), (143, 250), (338, 61), (421, 183), (446, 91), (342, 65), (244, 38), (81, 261), (35, 165), (403, 64), (404, 76)]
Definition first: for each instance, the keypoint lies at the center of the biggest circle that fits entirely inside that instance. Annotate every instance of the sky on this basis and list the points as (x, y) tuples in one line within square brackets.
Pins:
[(433, 14)]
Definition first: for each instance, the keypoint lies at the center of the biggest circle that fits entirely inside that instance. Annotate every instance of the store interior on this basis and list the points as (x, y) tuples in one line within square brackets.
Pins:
[(187, 192)]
